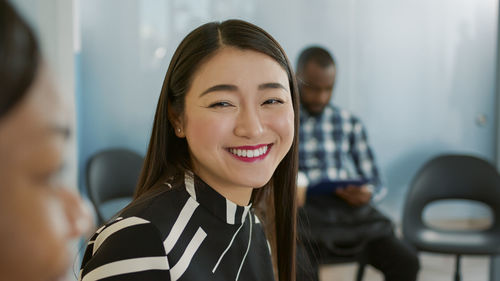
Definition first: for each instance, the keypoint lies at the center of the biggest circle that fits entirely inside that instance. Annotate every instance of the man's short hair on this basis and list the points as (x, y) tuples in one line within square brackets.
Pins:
[(316, 54)]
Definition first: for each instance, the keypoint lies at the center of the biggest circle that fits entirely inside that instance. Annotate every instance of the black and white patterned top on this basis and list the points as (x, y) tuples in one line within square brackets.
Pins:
[(189, 232)]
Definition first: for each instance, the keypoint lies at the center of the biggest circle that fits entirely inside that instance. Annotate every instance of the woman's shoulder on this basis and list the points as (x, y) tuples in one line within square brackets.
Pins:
[(144, 224), (158, 206), (112, 247)]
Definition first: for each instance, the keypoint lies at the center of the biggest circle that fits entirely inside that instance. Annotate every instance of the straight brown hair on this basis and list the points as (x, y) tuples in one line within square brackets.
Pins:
[(167, 155)]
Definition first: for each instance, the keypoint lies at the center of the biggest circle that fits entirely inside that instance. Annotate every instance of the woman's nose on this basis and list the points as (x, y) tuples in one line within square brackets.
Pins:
[(248, 123), (77, 212)]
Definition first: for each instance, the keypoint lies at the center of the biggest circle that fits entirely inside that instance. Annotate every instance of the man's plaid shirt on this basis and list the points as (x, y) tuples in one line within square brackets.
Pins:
[(334, 145)]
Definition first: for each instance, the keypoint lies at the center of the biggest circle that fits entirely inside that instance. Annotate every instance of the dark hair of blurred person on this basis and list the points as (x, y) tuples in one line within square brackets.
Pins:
[(38, 216)]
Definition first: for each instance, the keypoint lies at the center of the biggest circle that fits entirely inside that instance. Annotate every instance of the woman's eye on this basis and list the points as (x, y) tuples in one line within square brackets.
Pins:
[(273, 101), (220, 104)]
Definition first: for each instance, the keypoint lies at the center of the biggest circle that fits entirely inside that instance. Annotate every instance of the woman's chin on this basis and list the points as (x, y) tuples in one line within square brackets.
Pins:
[(258, 184)]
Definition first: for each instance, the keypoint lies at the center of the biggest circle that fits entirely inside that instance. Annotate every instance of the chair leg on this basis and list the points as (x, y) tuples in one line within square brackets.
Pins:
[(361, 271), (495, 268), (457, 269)]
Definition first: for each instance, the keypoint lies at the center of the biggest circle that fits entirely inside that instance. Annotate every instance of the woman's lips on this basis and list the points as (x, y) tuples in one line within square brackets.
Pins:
[(250, 153)]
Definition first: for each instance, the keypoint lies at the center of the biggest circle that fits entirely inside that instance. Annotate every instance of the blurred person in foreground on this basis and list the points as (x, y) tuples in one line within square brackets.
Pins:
[(334, 149), (38, 215)]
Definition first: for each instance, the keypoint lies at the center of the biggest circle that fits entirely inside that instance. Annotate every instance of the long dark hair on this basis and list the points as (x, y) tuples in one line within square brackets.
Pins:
[(167, 155), (19, 57)]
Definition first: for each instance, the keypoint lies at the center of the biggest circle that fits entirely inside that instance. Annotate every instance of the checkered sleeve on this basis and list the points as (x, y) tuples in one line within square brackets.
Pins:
[(364, 158)]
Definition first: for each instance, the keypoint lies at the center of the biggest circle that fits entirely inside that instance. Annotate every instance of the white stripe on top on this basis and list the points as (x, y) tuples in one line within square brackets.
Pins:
[(189, 183), (256, 218), (245, 212), (248, 249), (230, 211), (104, 226), (180, 267), (227, 248), (114, 228), (180, 224), (127, 266)]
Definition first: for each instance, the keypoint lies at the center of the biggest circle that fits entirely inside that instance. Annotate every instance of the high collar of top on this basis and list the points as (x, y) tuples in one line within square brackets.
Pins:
[(221, 207)]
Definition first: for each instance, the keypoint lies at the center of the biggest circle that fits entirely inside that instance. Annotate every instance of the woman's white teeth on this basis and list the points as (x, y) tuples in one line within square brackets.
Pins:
[(250, 153)]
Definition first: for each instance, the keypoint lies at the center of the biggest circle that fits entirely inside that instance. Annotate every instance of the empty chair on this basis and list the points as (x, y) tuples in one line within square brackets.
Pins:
[(111, 179), (453, 177)]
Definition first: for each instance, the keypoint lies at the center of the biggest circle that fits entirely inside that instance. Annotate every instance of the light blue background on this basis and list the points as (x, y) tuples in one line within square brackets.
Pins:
[(417, 72)]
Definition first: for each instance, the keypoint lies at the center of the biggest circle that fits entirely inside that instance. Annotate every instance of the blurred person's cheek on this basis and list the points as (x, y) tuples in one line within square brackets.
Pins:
[(34, 231), (62, 218)]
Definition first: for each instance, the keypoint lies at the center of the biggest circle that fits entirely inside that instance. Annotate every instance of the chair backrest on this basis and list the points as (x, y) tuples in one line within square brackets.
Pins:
[(451, 177), (112, 174)]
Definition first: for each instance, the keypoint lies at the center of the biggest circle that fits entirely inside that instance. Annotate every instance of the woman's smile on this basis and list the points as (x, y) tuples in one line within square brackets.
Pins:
[(250, 153)]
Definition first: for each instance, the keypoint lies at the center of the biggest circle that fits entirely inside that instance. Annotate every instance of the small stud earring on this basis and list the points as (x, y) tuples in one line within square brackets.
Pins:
[(179, 130)]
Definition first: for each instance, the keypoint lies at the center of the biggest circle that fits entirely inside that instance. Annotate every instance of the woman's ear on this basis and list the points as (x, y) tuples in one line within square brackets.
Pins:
[(179, 132), (176, 121)]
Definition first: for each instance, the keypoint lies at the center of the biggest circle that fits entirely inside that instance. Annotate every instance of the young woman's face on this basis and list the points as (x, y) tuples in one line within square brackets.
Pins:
[(238, 121), (37, 216)]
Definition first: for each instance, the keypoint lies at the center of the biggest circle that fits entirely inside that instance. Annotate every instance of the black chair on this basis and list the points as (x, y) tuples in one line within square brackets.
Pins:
[(111, 179), (453, 177)]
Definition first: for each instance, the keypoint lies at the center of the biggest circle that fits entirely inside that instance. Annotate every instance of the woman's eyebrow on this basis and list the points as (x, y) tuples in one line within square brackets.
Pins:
[(221, 87), (272, 85), (233, 88)]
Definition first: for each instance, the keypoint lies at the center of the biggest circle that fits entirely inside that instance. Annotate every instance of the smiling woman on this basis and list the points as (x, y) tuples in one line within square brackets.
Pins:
[(241, 114), (223, 148)]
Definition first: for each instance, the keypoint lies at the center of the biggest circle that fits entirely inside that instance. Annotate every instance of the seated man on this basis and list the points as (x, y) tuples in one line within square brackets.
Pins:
[(334, 147)]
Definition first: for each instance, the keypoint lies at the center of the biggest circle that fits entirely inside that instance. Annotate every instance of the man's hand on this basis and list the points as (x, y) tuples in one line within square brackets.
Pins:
[(355, 195), (301, 196)]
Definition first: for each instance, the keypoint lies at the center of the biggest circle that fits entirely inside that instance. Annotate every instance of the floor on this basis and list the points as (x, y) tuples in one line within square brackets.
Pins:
[(434, 267)]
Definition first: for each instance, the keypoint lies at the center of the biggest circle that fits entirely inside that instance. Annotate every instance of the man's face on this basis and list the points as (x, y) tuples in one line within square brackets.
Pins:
[(316, 86)]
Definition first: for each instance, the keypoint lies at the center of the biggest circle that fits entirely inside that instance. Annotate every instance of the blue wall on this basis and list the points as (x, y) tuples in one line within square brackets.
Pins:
[(418, 73)]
